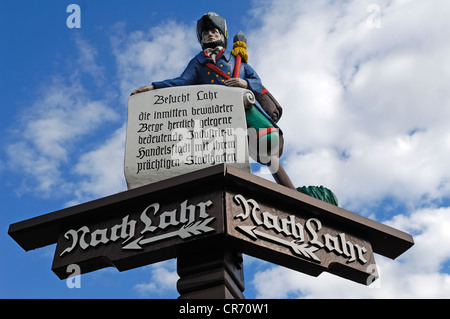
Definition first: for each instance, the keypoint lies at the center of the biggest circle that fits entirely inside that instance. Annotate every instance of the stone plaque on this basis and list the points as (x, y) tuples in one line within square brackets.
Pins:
[(173, 131)]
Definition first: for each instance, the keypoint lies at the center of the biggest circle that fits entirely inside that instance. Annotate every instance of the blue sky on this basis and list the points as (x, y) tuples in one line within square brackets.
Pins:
[(363, 84)]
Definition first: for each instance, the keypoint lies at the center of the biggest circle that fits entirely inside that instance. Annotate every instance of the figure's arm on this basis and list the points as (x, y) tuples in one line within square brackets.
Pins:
[(236, 82), (250, 80), (188, 77), (253, 80), (144, 88)]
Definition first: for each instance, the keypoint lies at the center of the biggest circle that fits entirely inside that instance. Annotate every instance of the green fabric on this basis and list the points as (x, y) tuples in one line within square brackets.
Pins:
[(321, 193), (256, 119)]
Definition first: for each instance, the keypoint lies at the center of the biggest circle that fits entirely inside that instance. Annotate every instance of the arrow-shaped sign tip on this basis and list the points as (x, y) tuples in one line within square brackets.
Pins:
[(134, 244), (248, 230)]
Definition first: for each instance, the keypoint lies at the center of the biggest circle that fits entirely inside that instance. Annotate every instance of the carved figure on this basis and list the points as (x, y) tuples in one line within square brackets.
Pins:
[(215, 64)]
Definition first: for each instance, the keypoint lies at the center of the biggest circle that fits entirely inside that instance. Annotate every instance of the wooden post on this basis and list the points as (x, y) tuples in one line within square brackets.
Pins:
[(214, 272), (279, 174)]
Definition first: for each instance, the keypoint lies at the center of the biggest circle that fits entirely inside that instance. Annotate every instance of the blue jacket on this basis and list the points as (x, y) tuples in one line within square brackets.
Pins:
[(198, 73)]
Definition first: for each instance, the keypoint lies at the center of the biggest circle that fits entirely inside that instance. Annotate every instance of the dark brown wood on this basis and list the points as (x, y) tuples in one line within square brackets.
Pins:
[(44, 230), (386, 241), (111, 231), (296, 252), (210, 273), (105, 213)]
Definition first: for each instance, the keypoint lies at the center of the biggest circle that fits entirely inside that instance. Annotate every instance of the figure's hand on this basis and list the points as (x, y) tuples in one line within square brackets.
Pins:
[(144, 88), (237, 82)]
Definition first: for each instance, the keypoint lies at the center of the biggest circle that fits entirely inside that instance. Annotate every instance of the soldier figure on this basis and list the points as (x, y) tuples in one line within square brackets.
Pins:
[(216, 65)]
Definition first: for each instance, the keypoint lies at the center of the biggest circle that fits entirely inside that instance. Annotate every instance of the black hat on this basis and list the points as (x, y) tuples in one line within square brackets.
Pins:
[(209, 21)]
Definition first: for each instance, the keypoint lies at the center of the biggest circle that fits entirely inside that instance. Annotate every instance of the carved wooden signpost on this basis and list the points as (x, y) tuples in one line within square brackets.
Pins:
[(207, 213), (220, 207), (191, 196)]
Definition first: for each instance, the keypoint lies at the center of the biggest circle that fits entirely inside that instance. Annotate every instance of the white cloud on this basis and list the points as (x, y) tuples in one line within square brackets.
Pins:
[(101, 169), (163, 279), (49, 131), (430, 228), (50, 134), (157, 54), (87, 61), (365, 109), (366, 114)]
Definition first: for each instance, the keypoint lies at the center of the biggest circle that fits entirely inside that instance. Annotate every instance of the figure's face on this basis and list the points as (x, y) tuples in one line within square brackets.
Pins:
[(212, 35)]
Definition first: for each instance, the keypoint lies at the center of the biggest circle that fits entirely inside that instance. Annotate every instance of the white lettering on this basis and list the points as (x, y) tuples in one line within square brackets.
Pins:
[(203, 207), (146, 220), (99, 236), (313, 232), (270, 221), (207, 310), (361, 251), (184, 213), (290, 227), (242, 201), (167, 219), (347, 248), (152, 220), (126, 229), (332, 244)]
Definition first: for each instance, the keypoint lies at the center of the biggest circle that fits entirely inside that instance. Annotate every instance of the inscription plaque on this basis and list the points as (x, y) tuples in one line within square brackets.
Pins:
[(173, 131)]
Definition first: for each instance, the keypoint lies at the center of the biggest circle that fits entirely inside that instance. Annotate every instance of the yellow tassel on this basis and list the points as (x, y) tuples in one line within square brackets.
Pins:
[(240, 44), (240, 48), (242, 52)]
